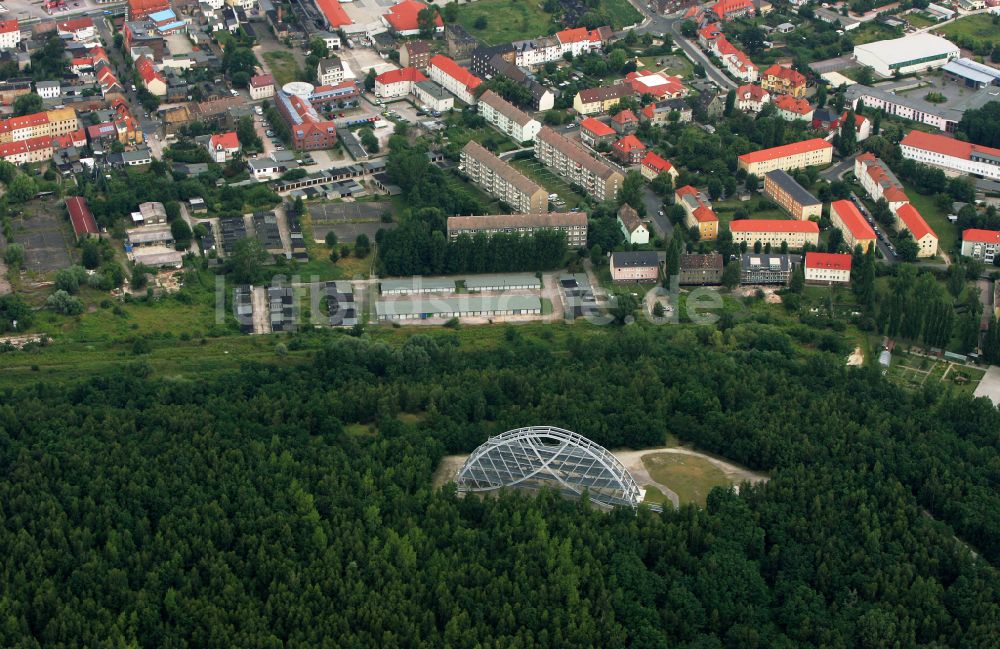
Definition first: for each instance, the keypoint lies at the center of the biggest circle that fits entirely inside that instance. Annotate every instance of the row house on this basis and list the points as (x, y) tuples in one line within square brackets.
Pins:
[(36, 149), (10, 34), (53, 123), (575, 41)]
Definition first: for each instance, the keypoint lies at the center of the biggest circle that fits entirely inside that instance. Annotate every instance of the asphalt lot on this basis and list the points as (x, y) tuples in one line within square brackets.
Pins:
[(45, 244), (347, 212), (26, 9)]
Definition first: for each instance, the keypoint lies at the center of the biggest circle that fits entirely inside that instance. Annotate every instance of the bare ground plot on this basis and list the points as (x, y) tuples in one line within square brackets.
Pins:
[(346, 212), (348, 232), (43, 236)]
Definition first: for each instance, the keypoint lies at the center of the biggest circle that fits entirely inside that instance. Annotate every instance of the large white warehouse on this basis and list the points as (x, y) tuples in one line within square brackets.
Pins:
[(913, 53)]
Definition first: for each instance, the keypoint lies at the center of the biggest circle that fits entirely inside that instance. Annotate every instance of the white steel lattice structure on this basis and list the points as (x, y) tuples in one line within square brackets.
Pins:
[(537, 456)]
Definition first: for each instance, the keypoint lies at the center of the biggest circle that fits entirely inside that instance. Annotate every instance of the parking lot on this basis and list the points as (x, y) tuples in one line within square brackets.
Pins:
[(42, 233), (26, 9)]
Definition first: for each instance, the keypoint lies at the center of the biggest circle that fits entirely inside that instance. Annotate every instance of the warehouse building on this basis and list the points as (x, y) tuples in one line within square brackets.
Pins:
[(971, 74), (416, 285), (459, 307), (502, 282), (791, 196), (911, 53)]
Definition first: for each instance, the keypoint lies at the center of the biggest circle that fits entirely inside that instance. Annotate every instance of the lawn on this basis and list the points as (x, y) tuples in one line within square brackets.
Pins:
[(979, 28), (919, 20), (283, 66), (505, 20), (946, 231), (621, 13), (690, 477), (551, 182)]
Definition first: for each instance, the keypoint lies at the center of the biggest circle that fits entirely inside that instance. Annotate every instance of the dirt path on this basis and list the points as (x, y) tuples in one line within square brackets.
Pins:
[(857, 357)]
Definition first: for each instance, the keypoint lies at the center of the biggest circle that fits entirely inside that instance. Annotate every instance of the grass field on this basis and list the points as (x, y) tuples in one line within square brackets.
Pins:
[(946, 231), (919, 20), (283, 66), (690, 477), (915, 372), (506, 20), (979, 27), (552, 183), (621, 13)]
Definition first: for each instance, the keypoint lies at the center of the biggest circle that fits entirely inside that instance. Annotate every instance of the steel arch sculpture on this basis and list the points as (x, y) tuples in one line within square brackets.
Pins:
[(537, 456)]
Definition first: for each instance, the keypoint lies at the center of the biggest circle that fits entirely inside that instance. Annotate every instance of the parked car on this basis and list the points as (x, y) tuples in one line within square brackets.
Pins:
[(269, 133)]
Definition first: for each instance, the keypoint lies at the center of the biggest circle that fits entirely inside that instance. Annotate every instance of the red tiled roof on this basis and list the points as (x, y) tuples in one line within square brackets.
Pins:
[(914, 222), (143, 8), (853, 220), (629, 143), (710, 32), (790, 104), (75, 25), (685, 191), (945, 145), (226, 141), (656, 163), (724, 7), (655, 83), (8, 149), (773, 225), (144, 66), (579, 35), (7, 26), (981, 236), (793, 77), (455, 71), (597, 127), (704, 214), (402, 74), (334, 13), (262, 81), (80, 216), (875, 169), (795, 148), (403, 16), (833, 261), (624, 116), (751, 91)]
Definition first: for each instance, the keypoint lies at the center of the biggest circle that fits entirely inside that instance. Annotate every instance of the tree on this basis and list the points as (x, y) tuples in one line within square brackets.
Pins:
[(427, 21), (246, 263), (368, 140), (821, 95), (731, 274), (362, 246), (906, 247), (624, 306), (632, 190), (730, 103), (64, 303), (689, 29), (22, 189), (247, 135), (662, 185), (14, 255), (331, 239), (27, 104), (15, 315), (848, 135), (864, 284), (480, 22), (982, 125), (714, 188), (70, 279), (798, 280), (370, 80), (181, 232), (617, 60)]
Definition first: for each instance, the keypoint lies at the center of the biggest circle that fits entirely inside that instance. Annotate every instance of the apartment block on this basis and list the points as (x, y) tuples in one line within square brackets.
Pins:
[(828, 268), (574, 164), (775, 232), (846, 217), (797, 155), (697, 212), (502, 181), (574, 224), (954, 156), (507, 118), (791, 196), (981, 244)]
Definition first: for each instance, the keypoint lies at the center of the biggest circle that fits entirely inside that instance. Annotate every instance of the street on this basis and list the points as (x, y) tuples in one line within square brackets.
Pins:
[(662, 226), (881, 241), (836, 172)]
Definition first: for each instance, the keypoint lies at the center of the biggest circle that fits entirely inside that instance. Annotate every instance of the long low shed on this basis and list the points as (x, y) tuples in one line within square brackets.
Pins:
[(505, 282), (457, 307), (416, 285)]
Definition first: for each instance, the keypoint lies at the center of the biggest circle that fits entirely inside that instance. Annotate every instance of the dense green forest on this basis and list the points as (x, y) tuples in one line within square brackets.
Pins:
[(245, 511)]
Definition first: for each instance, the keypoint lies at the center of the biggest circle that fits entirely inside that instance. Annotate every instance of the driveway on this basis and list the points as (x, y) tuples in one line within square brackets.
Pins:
[(662, 226), (837, 171)]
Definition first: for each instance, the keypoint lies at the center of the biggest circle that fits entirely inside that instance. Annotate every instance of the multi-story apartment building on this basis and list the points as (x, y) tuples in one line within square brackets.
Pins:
[(828, 268), (594, 132), (37, 149), (697, 212), (791, 196), (574, 224), (569, 160), (879, 181), (415, 54), (779, 79), (726, 10), (908, 218), (507, 118), (700, 270), (790, 109), (503, 181), (766, 269), (575, 41), (940, 116), (735, 60), (846, 217), (981, 244), (309, 130), (453, 78), (954, 156), (602, 99), (775, 232), (261, 86), (397, 83), (53, 123), (798, 155), (751, 98), (330, 72), (653, 165), (641, 266), (10, 34), (632, 226)]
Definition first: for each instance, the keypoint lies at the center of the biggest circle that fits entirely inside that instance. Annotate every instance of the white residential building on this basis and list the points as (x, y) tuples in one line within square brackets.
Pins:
[(954, 156), (507, 118)]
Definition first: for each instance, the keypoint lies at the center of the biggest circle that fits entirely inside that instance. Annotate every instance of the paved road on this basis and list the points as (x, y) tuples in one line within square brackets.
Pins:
[(836, 171), (657, 25), (662, 226), (989, 387), (880, 239)]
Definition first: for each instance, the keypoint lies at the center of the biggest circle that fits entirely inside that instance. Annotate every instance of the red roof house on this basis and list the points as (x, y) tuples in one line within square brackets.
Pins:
[(81, 217), (629, 150), (403, 18), (653, 165)]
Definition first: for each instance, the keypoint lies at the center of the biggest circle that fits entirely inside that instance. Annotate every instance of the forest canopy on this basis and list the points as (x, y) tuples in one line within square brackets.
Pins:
[(250, 510)]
